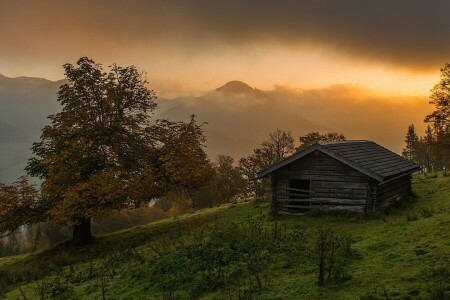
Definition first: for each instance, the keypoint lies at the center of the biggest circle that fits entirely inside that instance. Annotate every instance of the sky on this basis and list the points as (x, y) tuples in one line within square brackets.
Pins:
[(189, 47)]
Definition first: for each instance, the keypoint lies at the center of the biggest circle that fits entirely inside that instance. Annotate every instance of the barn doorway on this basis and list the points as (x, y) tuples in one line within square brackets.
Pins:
[(299, 193)]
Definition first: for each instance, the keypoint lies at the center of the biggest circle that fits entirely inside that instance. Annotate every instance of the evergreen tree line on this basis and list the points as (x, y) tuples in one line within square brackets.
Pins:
[(432, 150)]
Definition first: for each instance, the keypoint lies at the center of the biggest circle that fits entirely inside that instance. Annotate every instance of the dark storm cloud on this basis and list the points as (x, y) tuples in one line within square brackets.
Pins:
[(408, 33)]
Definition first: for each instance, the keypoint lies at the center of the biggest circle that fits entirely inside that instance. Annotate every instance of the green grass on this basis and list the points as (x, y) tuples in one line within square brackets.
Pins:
[(404, 252)]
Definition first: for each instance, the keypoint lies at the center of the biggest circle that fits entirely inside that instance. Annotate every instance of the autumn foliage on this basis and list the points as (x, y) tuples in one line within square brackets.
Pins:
[(103, 152)]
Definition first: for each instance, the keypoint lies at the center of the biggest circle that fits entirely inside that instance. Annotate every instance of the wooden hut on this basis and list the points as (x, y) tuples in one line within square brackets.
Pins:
[(352, 175)]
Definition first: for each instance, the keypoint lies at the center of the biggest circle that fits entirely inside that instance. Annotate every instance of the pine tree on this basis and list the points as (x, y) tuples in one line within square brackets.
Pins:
[(440, 118), (412, 143), (427, 150)]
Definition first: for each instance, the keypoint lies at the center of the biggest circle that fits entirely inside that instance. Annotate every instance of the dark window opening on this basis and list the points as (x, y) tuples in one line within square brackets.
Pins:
[(300, 184), (299, 193)]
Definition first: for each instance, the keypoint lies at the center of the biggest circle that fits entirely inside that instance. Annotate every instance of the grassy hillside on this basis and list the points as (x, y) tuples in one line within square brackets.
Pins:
[(403, 253)]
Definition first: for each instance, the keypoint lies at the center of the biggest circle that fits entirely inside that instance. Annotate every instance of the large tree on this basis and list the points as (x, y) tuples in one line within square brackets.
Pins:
[(277, 147), (440, 117), (102, 153), (312, 138), (440, 98), (427, 150), (20, 204), (181, 159), (97, 149), (411, 149)]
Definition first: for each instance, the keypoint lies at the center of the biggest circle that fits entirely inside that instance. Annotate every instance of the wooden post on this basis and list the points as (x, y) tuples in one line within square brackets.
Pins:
[(274, 187), (371, 196)]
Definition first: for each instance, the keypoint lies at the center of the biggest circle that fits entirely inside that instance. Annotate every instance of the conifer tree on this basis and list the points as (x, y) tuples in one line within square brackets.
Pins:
[(412, 144), (440, 118)]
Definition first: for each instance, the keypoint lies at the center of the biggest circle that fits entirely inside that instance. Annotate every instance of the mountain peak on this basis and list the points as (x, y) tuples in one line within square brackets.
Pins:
[(236, 87)]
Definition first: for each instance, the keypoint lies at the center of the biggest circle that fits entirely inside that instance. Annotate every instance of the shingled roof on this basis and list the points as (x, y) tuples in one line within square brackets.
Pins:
[(367, 157)]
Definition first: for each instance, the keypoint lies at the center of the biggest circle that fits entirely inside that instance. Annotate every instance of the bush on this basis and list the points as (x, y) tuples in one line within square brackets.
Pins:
[(259, 200), (127, 218), (332, 253), (4, 282), (378, 292), (58, 287), (440, 290), (427, 212), (412, 217), (232, 256)]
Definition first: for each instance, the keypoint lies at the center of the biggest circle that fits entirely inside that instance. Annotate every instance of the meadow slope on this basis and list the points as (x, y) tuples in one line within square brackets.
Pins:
[(403, 253)]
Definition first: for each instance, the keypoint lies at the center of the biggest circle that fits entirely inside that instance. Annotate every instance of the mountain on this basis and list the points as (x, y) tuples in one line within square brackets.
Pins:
[(238, 118), (238, 88), (25, 103)]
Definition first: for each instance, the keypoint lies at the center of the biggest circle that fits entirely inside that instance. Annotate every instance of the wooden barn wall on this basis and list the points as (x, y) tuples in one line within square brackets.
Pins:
[(392, 189), (330, 180)]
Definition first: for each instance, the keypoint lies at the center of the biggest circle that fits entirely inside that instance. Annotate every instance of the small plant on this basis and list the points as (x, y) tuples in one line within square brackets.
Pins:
[(411, 217), (47, 289), (103, 284), (258, 201), (4, 281), (234, 257), (316, 212), (427, 212), (378, 292), (440, 291), (43, 289), (332, 253)]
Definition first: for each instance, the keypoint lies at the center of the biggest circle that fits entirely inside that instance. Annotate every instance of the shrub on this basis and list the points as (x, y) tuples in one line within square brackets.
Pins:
[(58, 287), (378, 292), (4, 282), (332, 253), (411, 217), (258, 200), (427, 212), (231, 256), (440, 290)]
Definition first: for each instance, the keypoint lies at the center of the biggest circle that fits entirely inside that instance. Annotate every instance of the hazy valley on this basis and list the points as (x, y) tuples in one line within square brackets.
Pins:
[(238, 116)]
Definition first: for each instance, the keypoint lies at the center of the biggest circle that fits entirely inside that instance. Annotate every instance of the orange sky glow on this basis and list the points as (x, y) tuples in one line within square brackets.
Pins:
[(190, 49), (361, 68), (173, 73)]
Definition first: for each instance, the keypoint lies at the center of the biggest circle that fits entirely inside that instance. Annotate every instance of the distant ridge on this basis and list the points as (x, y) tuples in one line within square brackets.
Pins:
[(239, 89), (239, 118), (26, 82), (236, 87), (25, 103)]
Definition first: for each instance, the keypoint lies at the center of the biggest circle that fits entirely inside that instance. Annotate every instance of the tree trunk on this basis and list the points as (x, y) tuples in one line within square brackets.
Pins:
[(81, 232)]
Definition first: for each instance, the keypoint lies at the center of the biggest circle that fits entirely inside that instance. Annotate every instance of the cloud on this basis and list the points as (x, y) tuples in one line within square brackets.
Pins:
[(359, 113), (412, 34)]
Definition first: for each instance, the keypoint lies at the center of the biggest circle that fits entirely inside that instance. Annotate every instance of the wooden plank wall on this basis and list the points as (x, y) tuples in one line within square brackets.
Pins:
[(332, 182), (387, 191)]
